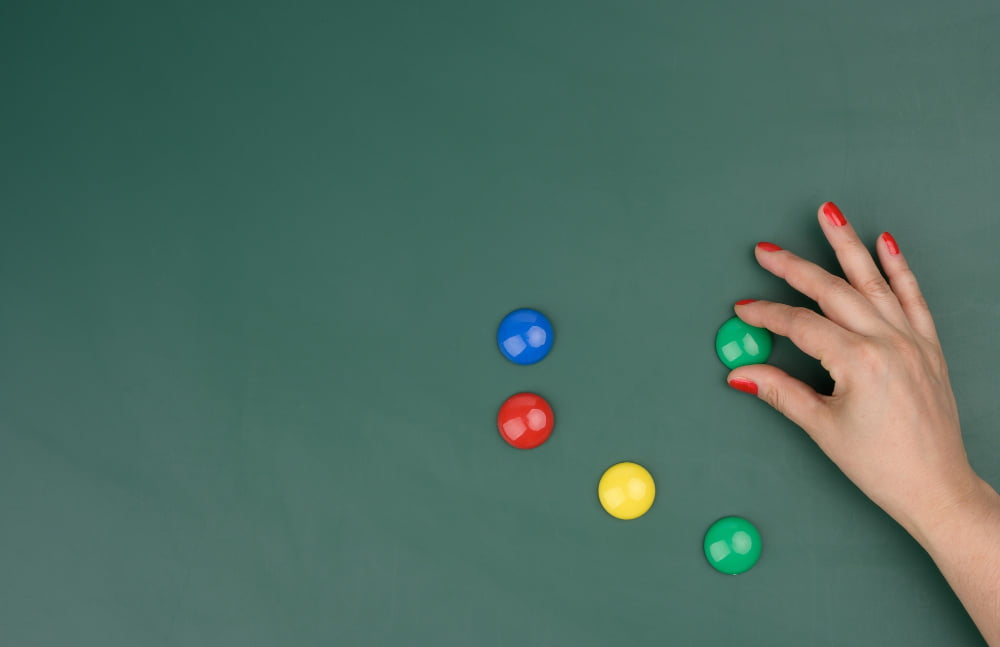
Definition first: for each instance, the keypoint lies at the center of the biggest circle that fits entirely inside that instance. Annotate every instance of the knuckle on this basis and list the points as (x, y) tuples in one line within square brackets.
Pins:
[(917, 300), (855, 247), (775, 398), (800, 318), (876, 287), (906, 275), (918, 354), (873, 358), (837, 287), (771, 313), (906, 281)]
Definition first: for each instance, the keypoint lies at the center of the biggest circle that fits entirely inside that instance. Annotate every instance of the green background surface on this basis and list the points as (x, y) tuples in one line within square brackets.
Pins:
[(252, 260)]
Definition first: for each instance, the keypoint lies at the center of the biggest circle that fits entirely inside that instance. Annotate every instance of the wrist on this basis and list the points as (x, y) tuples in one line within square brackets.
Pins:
[(936, 523)]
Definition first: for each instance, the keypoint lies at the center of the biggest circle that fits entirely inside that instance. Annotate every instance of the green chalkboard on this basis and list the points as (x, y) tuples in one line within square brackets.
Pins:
[(252, 260)]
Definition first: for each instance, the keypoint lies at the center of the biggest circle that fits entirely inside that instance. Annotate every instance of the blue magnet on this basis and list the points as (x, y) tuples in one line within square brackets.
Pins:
[(525, 336)]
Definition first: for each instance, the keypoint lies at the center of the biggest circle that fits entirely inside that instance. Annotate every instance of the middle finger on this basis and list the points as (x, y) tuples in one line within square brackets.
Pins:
[(839, 301)]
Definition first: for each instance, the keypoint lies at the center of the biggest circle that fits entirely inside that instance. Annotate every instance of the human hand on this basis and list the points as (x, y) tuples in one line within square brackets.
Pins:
[(891, 423)]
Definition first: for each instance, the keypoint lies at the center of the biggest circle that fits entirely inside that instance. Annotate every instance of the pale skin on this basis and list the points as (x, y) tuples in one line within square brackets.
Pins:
[(891, 423)]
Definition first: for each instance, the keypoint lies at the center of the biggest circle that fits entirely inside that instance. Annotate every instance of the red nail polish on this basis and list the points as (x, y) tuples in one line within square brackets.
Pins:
[(743, 384), (768, 247), (743, 302), (833, 214), (890, 243)]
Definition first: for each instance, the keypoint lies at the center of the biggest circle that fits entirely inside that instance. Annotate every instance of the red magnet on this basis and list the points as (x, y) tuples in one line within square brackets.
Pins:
[(525, 420)]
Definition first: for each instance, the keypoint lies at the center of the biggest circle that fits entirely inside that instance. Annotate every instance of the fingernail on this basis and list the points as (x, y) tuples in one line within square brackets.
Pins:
[(890, 243), (768, 247), (743, 384), (743, 302), (833, 214)]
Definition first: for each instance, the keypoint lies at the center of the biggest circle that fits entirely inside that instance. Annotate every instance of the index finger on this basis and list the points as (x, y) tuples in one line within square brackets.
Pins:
[(814, 334)]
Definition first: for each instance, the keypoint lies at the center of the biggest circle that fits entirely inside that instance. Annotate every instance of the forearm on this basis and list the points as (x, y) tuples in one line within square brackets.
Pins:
[(964, 541)]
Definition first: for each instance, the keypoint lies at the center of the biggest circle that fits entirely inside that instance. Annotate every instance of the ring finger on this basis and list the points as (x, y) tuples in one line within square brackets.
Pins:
[(858, 265)]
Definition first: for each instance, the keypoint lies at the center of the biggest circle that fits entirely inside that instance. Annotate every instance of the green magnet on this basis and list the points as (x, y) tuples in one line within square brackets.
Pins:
[(738, 343), (732, 545)]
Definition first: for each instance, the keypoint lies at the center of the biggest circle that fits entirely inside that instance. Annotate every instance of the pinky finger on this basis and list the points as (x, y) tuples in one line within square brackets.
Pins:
[(905, 285)]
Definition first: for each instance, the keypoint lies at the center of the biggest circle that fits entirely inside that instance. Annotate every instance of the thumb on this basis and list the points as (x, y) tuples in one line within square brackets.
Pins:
[(793, 398)]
